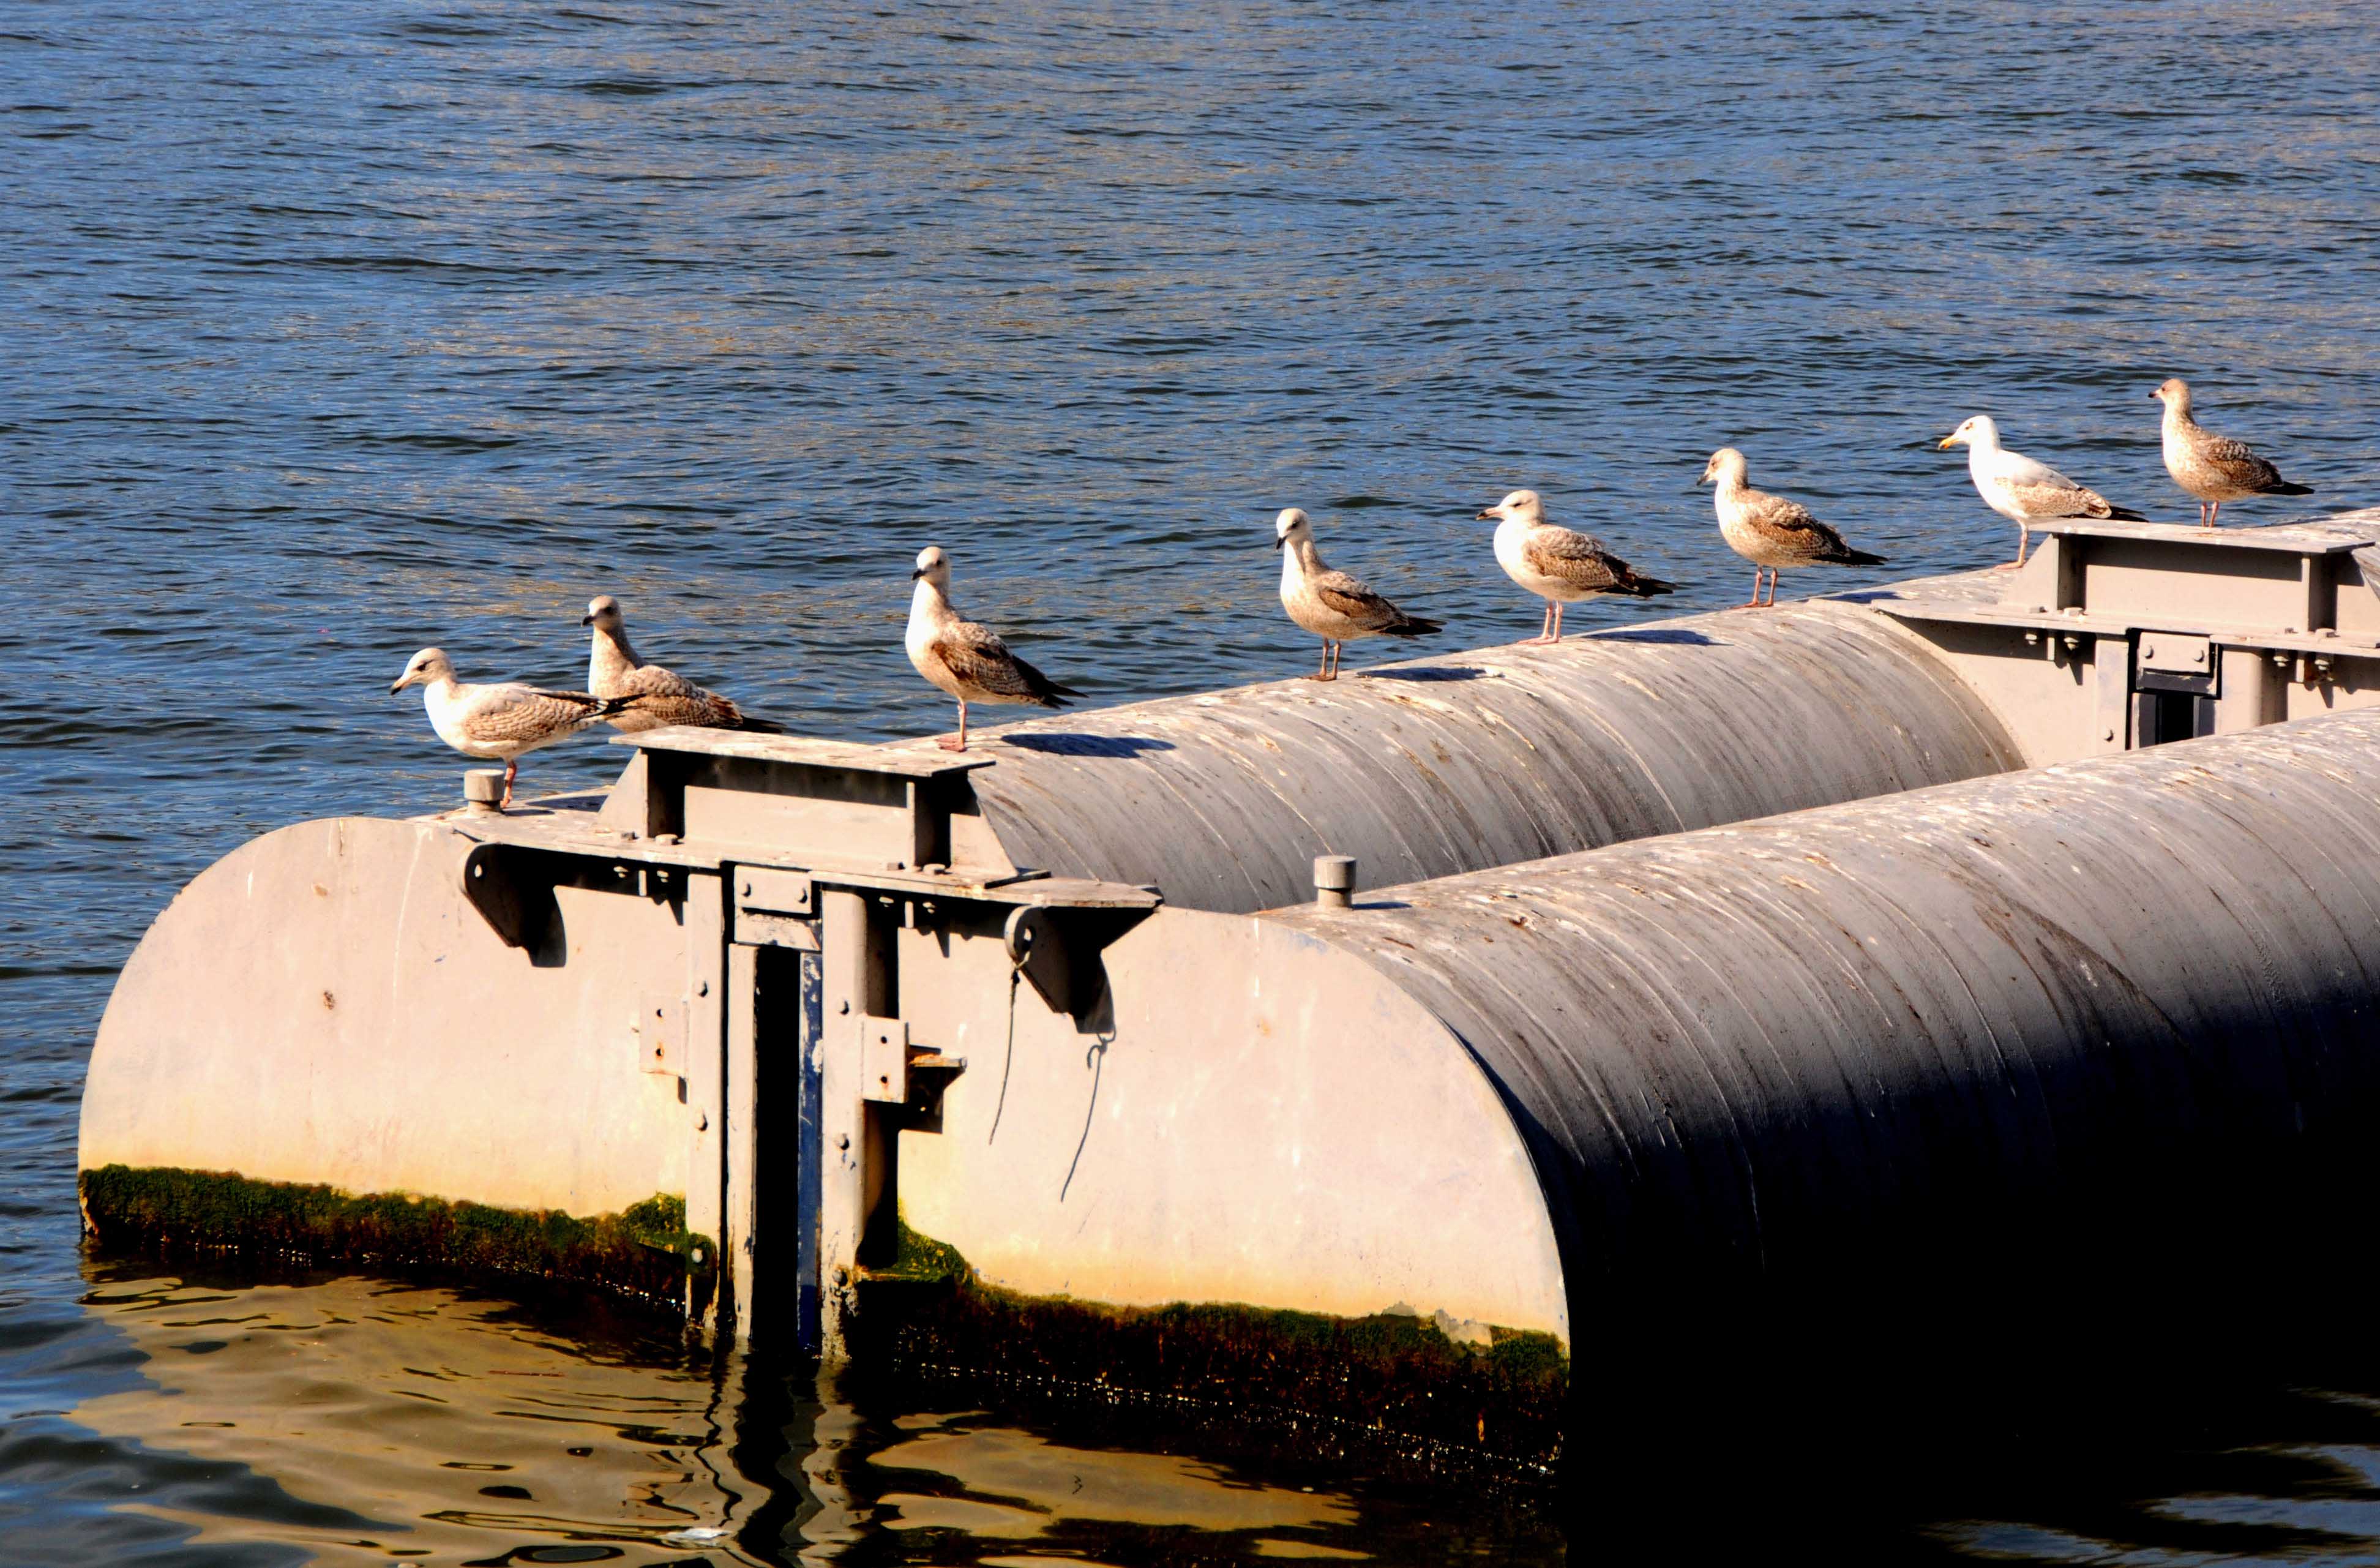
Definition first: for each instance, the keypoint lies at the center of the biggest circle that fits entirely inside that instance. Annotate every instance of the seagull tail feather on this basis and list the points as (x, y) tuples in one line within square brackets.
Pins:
[(1642, 587), (1856, 558), (2125, 514), (1415, 625), (2284, 487)]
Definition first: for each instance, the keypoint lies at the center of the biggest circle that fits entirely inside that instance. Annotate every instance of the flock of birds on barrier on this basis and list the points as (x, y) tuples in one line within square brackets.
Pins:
[(503, 723)]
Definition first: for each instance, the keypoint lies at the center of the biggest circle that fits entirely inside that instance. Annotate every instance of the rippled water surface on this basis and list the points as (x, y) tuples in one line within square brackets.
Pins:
[(329, 332)]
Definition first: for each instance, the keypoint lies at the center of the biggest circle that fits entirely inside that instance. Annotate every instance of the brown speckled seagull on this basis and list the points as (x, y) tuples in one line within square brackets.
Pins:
[(963, 659), (498, 723), (654, 697), (1770, 532), (1332, 605), (2212, 468), (1559, 566)]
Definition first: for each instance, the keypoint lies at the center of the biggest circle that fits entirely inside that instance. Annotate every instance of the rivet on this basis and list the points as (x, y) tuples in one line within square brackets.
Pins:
[(702, 988)]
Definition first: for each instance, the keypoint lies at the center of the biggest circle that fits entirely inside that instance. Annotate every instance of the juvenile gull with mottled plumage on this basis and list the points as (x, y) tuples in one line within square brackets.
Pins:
[(661, 697), (1559, 566), (2212, 468), (2022, 491), (1333, 607), (500, 723), (1770, 532), (963, 659)]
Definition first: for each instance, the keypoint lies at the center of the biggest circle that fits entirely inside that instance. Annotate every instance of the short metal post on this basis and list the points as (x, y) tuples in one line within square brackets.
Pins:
[(1334, 881), (482, 788)]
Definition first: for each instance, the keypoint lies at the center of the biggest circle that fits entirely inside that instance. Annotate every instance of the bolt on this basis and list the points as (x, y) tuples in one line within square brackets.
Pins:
[(748, 887), (702, 988), (2107, 734), (842, 1141)]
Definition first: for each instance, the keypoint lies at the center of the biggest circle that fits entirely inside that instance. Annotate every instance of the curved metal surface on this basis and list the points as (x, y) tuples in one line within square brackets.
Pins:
[(2058, 1015), (1485, 759)]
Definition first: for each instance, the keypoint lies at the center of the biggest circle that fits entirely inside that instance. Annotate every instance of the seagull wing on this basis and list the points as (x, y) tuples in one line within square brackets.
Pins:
[(1347, 597), (1578, 559), (671, 698), (512, 714), (979, 661)]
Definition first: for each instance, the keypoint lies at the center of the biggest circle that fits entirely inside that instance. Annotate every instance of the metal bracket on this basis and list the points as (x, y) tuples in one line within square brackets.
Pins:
[(2175, 661), (774, 907), (659, 1029), (884, 1059)]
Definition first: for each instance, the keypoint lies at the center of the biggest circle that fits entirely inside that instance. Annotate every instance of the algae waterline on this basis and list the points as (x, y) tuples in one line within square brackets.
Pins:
[(1492, 1401), (644, 1252)]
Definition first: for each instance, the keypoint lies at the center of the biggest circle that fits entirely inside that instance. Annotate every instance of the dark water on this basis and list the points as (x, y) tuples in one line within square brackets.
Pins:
[(329, 332)]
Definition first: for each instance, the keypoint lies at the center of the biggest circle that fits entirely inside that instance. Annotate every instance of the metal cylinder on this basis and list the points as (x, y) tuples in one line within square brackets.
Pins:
[(1999, 1029), (1334, 881), (1484, 759), (482, 788)]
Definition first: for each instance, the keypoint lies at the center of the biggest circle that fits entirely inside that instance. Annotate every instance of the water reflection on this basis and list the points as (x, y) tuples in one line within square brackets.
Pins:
[(403, 1421), (346, 1419)]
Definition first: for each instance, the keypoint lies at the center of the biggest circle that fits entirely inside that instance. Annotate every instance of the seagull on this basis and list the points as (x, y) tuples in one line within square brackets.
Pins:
[(657, 697), (500, 723), (963, 659), (1770, 532), (1559, 566), (2022, 491), (2213, 467), (1332, 605)]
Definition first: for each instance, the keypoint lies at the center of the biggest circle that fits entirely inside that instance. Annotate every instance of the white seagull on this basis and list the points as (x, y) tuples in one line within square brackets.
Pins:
[(2022, 491), (500, 722), (963, 659), (1332, 605)]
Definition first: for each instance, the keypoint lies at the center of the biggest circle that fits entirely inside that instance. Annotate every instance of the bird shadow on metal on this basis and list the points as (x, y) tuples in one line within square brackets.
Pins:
[(1122, 745), (1424, 673), (1677, 636)]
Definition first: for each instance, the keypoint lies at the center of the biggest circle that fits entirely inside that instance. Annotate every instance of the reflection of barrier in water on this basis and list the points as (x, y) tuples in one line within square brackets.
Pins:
[(1015, 1484), (1974, 991), (395, 1419)]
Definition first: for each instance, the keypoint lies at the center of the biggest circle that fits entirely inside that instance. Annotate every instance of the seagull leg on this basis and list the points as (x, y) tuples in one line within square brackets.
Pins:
[(958, 741), (1323, 674), (2214, 516), (1557, 613), (2023, 540), (1337, 651), (1753, 602), (511, 771), (1771, 602)]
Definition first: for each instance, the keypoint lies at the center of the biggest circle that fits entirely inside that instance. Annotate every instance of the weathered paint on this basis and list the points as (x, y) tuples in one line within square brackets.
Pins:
[(324, 1006), (1256, 1117), (1991, 1027), (1482, 758)]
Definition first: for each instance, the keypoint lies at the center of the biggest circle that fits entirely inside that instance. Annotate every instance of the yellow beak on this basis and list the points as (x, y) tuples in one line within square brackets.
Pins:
[(1946, 442)]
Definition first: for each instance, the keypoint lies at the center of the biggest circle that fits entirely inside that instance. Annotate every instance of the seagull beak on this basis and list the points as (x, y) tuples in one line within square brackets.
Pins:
[(585, 620), (916, 575), (1946, 442), (396, 686), (1279, 540), (1493, 512)]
